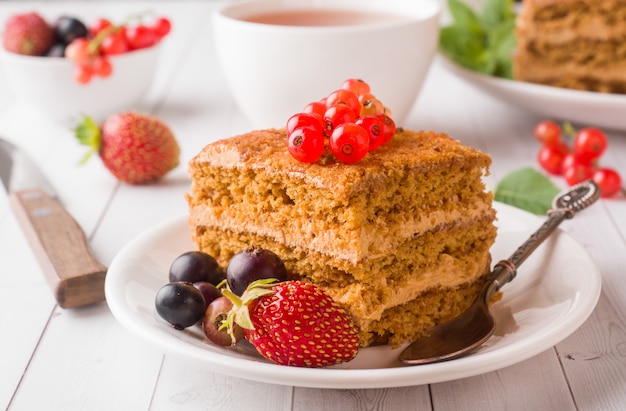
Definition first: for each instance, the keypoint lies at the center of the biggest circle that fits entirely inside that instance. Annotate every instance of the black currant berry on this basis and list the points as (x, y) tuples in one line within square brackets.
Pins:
[(253, 264), (67, 29), (180, 304), (196, 266)]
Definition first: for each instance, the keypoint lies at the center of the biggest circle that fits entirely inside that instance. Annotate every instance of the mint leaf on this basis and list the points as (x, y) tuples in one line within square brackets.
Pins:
[(527, 189), (495, 12), (484, 42), (464, 16)]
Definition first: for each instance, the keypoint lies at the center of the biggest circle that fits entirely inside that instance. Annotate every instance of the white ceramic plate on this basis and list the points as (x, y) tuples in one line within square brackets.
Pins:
[(580, 107), (555, 291)]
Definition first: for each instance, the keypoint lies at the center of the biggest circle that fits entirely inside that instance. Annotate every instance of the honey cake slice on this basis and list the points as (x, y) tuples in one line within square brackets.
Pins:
[(577, 44), (410, 222)]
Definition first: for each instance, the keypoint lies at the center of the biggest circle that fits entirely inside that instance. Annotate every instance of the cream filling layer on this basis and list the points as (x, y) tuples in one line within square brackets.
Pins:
[(449, 272), (372, 241)]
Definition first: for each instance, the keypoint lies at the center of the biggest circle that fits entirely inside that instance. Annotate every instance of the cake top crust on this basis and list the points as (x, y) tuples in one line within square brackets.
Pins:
[(408, 151)]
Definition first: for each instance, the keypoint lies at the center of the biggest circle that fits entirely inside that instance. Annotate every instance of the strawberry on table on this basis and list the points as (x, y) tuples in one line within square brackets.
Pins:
[(294, 323), (27, 34), (136, 148)]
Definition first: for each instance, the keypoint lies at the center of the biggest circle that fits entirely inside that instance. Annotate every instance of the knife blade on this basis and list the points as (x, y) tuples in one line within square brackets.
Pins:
[(57, 241)]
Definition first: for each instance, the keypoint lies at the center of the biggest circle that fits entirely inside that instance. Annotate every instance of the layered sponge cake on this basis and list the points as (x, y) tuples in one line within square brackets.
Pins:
[(577, 44), (400, 239)]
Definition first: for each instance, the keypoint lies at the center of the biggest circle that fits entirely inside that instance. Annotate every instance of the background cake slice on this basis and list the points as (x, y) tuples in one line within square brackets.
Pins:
[(400, 239), (577, 44)]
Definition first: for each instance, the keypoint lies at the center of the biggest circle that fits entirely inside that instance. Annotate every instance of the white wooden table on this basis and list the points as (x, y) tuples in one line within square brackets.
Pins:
[(83, 359)]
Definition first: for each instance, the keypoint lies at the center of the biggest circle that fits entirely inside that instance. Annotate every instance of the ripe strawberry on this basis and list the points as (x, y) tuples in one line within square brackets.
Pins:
[(136, 148), (295, 323), (28, 34)]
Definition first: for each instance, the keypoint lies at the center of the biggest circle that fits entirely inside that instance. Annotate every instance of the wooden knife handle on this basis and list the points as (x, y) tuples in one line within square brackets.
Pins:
[(61, 248)]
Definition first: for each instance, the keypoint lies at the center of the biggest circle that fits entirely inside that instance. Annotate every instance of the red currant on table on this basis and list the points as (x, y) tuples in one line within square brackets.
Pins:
[(590, 143), (349, 143), (609, 181), (551, 158), (579, 162), (548, 132)]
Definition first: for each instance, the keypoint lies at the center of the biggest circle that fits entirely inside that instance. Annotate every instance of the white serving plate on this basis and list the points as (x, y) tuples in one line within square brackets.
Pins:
[(581, 107), (555, 291)]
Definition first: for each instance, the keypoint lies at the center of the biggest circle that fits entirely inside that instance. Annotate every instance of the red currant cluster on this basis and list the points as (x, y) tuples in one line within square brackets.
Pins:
[(580, 160), (347, 124), (105, 39)]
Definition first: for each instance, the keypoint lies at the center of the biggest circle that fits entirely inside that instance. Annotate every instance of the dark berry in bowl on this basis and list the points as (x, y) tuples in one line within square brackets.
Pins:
[(67, 29), (57, 50)]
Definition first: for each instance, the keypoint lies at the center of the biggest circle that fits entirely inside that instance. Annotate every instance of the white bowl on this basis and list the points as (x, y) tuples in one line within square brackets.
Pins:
[(47, 84), (275, 70)]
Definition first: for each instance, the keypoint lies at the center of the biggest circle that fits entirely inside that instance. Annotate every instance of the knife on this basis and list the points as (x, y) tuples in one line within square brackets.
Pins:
[(58, 242)]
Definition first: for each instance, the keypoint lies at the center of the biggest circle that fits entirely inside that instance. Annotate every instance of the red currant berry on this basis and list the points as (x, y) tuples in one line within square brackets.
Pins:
[(357, 86), (375, 129), (548, 133), (78, 51), (349, 143), (140, 37), (577, 172), (162, 27), (389, 127), (115, 43), (102, 67), (371, 106), (304, 120), (83, 73), (306, 144), (551, 158), (609, 181), (337, 115), (590, 143), (344, 97), (316, 107), (99, 25)]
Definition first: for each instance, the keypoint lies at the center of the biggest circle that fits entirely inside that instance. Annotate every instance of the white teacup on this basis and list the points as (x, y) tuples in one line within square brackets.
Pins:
[(274, 68)]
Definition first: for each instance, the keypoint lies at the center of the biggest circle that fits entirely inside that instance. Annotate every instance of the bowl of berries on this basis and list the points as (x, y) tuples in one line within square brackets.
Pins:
[(64, 68), (276, 55)]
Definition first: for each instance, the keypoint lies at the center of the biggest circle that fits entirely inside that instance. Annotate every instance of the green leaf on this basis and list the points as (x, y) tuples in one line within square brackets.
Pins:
[(495, 12), (527, 189), (464, 16), (483, 43)]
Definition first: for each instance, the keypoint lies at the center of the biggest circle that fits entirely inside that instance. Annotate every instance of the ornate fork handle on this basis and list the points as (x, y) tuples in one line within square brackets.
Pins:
[(564, 206)]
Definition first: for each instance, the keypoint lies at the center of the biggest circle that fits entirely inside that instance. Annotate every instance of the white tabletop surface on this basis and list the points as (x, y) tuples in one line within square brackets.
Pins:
[(83, 359)]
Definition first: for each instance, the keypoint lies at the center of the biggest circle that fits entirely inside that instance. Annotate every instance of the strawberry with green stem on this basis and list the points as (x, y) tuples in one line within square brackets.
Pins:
[(27, 34), (136, 148), (293, 323)]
